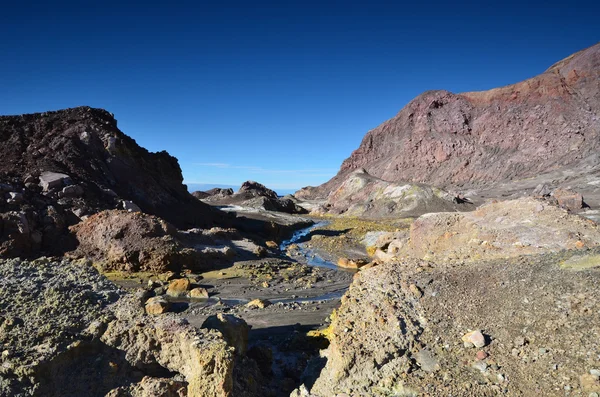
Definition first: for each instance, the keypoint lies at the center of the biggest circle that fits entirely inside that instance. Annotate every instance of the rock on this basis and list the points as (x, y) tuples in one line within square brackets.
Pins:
[(426, 361), (261, 252), (415, 291), (362, 195), (542, 190), (133, 241), (257, 189), (482, 138), (481, 355), (179, 287), (568, 199), (474, 338), (272, 245), (495, 230), (479, 365), (258, 304), (198, 293), (71, 145), (130, 206), (157, 305), (14, 198), (590, 383), (71, 191), (152, 387), (351, 263), (234, 330), (65, 319), (53, 180), (254, 195)]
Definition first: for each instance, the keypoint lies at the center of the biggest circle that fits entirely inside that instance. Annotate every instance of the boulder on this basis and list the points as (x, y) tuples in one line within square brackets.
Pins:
[(235, 330), (568, 199), (53, 180), (71, 191), (157, 305), (198, 293), (258, 304), (132, 241), (179, 287), (130, 206)]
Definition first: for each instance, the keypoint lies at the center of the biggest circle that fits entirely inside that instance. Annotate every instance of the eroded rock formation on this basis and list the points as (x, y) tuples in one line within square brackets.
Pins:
[(547, 123)]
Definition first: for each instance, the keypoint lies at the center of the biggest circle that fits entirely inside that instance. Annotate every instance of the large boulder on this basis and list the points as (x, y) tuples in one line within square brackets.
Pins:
[(132, 241)]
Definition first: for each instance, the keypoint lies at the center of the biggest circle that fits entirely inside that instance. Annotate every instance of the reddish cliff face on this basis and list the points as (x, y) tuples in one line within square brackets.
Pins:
[(543, 124)]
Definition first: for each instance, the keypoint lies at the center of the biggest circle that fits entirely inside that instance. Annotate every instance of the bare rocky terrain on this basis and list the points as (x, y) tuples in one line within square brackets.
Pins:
[(455, 254)]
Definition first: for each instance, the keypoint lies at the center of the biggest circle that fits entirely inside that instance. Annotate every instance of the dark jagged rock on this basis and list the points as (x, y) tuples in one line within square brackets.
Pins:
[(59, 167), (547, 123)]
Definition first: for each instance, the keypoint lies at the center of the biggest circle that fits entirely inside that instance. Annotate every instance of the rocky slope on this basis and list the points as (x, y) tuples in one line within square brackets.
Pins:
[(67, 331), (503, 229), (548, 123), (362, 195), (59, 167), (404, 329)]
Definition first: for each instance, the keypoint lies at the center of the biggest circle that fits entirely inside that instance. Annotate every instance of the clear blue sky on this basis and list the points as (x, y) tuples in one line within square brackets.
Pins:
[(280, 92)]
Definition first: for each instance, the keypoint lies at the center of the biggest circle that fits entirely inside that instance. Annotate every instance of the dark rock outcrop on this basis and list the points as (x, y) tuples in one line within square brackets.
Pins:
[(86, 146), (547, 123), (59, 167)]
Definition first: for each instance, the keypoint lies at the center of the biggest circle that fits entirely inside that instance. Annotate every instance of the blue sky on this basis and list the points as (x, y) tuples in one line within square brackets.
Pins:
[(278, 92)]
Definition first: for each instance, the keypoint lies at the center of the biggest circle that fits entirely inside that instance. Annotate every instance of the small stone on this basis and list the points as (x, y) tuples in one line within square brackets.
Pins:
[(157, 305), (258, 303), (271, 244), (481, 355), (474, 338), (595, 372), (198, 293), (426, 361), (520, 341), (178, 287), (71, 191), (415, 291), (479, 365)]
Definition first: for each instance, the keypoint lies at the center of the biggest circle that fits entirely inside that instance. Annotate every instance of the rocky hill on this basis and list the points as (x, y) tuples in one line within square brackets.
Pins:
[(548, 123), (85, 146), (60, 167)]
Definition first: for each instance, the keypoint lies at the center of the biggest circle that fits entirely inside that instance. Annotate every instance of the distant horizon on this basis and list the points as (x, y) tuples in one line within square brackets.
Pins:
[(279, 93)]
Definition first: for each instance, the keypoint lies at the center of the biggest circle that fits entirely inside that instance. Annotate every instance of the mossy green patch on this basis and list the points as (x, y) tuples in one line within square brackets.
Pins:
[(580, 262)]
